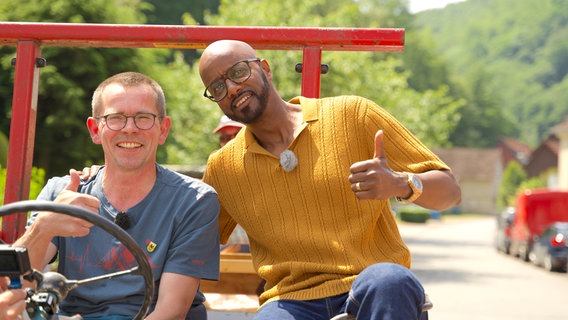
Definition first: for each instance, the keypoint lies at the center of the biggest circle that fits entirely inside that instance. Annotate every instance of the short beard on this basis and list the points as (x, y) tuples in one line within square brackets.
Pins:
[(251, 115)]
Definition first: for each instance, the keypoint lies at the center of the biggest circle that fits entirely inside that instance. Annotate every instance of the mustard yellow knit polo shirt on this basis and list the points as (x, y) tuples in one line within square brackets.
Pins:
[(309, 235)]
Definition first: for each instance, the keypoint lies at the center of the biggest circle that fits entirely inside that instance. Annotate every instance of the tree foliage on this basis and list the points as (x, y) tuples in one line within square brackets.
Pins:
[(382, 77), (68, 80), (37, 182), (416, 85), (72, 74), (513, 176), (520, 46)]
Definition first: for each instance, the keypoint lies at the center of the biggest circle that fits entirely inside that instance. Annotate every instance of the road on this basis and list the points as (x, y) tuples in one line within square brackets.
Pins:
[(467, 279)]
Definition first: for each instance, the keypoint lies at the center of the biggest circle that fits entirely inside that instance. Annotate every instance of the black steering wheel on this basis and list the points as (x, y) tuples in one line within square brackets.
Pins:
[(54, 283)]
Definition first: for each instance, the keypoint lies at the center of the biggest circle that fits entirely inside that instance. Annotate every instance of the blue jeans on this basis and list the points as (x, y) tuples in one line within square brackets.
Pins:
[(384, 291)]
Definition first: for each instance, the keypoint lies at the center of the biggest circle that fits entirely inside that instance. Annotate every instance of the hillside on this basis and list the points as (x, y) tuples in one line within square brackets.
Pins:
[(520, 45)]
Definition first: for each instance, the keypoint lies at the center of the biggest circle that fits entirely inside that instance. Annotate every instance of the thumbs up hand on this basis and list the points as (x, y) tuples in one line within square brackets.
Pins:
[(69, 195), (64, 225), (373, 178)]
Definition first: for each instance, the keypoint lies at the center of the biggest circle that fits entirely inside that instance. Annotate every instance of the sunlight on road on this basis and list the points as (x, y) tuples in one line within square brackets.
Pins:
[(467, 279)]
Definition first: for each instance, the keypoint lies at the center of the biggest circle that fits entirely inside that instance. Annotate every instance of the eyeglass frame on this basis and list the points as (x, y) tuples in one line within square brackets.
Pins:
[(224, 77), (133, 119)]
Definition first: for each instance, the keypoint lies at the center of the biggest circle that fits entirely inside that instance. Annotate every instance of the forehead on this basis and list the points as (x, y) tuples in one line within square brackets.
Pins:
[(219, 65), (119, 98), (220, 57)]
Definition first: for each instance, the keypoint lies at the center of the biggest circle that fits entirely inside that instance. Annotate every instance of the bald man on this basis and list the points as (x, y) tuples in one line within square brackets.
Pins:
[(310, 180)]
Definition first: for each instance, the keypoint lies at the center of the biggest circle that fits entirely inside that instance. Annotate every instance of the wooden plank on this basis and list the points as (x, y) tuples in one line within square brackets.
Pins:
[(236, 266), (233, 283)]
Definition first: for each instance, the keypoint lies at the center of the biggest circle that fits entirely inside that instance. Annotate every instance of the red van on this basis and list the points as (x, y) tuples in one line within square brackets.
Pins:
[(535, 211)]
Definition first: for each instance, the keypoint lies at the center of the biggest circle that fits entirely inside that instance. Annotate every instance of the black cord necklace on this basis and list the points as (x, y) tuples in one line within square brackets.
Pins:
[(122, 220)]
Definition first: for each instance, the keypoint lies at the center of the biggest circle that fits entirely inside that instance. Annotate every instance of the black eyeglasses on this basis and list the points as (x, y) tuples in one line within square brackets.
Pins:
[(117, 121), (238, 73)]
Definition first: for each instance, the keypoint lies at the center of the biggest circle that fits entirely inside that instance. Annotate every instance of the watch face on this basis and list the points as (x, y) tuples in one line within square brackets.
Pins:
[(417, 182)]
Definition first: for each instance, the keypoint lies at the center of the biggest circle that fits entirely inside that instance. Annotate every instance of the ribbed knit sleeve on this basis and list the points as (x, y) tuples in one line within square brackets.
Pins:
[(309, 235)]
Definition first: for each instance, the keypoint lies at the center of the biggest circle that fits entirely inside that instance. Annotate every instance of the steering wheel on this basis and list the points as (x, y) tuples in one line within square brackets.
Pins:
[(57, 284)]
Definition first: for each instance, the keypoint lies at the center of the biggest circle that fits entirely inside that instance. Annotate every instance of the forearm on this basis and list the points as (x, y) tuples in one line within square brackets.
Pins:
[(175, 296), (441, 190), (38, 244), (166, 315)]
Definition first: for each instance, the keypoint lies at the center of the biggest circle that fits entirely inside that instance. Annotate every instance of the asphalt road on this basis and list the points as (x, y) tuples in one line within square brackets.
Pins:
[(467, 279)]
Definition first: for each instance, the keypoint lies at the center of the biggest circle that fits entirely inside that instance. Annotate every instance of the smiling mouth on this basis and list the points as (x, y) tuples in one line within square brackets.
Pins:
[(130, 145), (241, 100)]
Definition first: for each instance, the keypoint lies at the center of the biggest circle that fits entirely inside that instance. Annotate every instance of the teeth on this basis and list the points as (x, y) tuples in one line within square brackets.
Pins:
[(241, 101), (129, 145)]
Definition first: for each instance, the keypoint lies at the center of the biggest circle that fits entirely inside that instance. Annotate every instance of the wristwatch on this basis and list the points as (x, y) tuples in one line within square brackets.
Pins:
[(415, 185)]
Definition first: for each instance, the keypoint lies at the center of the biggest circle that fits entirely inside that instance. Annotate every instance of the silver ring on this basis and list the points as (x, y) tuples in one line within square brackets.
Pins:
[(358, 186)]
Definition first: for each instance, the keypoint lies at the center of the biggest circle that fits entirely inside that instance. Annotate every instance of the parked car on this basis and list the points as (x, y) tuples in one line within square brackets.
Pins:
[(503, 233), (535, 210), (550, 250)]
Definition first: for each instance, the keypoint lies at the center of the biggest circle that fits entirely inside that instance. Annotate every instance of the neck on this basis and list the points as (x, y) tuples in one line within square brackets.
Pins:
[(126, 189), (279, 128)]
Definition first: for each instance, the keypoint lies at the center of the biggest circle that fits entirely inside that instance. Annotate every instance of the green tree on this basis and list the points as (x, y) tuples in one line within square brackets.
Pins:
[(521, 47), (538, 182), (36, 183), (173, 13), (513, 176), (378, 76), (70, 77), (66, 84), (178, 12), (3, 150), (483, 122), (194, 117)]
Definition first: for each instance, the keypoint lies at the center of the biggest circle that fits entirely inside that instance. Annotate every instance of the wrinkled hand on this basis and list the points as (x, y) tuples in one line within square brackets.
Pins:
[(64, 225), (373, 178), (12, 302)]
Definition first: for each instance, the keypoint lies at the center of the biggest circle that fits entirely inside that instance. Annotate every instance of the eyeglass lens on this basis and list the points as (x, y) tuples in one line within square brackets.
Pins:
[(142, 121), (238, 73)]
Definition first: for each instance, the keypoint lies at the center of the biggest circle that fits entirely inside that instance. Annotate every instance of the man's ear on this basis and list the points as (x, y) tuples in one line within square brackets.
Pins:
[(266, 67), (93, 126), (165, 126)]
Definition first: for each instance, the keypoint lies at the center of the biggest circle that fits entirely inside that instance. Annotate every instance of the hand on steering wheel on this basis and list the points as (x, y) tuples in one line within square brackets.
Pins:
[(55, 285)]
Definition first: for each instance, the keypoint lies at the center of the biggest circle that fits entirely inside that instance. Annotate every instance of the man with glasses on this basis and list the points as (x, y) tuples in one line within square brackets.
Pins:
[(171, 216), (310, 180)]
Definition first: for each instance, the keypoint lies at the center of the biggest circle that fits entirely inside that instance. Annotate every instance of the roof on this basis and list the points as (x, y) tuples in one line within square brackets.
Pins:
[(471, 163), (514, 149)]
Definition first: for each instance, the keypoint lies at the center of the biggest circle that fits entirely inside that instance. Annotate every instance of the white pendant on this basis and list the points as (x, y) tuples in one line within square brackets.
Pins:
[(288, 160)]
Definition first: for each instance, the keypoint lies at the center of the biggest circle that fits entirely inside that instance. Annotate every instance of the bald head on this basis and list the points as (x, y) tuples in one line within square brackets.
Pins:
[(223, 54)]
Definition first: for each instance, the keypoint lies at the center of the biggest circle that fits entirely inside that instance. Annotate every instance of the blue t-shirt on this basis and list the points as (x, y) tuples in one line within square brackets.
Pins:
[(176, 226)]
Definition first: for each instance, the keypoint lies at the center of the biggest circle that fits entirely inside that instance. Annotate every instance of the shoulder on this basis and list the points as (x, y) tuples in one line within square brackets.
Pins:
[(176, 180), (53, 186), (337, 102)]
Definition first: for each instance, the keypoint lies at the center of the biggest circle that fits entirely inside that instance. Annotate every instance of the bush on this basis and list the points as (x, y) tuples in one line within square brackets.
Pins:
[(418, 216), (36, 183)]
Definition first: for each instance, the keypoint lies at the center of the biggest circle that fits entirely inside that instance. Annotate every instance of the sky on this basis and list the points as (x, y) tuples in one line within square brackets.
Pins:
[(421, 5)]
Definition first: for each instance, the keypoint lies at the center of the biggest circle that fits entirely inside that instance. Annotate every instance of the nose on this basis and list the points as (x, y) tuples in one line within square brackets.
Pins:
[(130, 124), (232, 88)]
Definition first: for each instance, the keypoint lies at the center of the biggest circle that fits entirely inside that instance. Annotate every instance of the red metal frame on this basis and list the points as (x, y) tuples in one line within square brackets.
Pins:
[(30, 37)]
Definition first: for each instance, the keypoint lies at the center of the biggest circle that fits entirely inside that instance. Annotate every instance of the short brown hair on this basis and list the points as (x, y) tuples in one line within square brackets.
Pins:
[(129, 79)]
